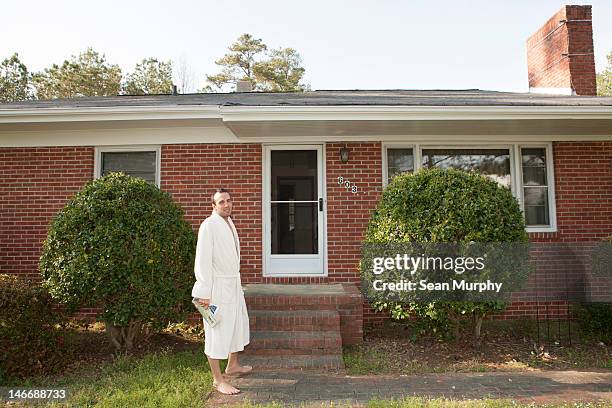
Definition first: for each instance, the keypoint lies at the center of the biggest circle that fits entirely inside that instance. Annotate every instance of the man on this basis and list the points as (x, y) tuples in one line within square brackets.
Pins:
[(217, 271)]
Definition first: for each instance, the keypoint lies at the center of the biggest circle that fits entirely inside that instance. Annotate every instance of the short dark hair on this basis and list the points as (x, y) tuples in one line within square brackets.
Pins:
[(219, 190)]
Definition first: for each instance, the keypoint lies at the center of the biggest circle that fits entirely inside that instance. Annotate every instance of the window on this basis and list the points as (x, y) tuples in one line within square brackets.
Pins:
[(525, 170), (493, 163), (535, 186), (136, 161), (399, 161)]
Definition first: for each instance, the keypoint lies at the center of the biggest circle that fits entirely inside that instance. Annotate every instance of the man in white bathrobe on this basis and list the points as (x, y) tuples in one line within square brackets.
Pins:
[(217, 271)]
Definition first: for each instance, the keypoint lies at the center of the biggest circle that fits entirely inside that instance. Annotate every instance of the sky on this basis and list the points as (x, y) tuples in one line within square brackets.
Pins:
[(358, 44)]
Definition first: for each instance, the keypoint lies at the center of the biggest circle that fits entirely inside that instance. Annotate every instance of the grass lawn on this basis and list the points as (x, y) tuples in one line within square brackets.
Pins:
[(162, 379), (168, 371)]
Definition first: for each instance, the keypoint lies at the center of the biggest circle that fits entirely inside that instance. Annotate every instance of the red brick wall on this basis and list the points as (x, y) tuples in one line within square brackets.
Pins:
[(583, 192), (348, 213), (34, 184), (583, 181), (191, 172), (550, 66)]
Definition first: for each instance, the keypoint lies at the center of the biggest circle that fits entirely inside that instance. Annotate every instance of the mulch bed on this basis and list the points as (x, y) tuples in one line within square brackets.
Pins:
[(391, 348)]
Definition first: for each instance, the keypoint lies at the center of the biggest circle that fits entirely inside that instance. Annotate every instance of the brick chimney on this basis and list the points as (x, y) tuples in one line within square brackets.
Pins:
[(560, 56)]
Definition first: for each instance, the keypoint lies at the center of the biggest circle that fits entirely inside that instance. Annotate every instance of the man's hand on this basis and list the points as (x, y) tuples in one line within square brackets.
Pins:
[(204, 302)]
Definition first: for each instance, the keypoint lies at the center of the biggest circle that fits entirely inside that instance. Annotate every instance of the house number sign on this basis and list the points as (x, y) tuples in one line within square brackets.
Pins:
[(347, 184)]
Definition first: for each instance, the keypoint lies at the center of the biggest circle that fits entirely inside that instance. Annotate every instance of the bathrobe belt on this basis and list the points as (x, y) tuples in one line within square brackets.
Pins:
[(230, 276)]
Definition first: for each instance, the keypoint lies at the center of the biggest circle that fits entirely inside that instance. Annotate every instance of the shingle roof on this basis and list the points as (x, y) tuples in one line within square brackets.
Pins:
[(468, 97)]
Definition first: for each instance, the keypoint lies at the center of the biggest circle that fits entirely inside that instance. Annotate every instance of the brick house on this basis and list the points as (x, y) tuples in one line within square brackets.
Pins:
[(307, 169)]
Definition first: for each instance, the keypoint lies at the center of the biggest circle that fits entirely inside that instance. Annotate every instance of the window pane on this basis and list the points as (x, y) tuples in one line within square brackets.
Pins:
[(294, 228), (536, 216), (399, 161), (137, 164), (294, 175), (534, 176), (534, 167), (534, 157), (535, 190), (493, 163), (536, 205), (536, 195)]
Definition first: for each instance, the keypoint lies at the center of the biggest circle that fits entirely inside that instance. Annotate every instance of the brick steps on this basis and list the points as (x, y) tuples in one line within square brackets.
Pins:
[(294, 320), (295, 343), (315, 352), (301, 326)]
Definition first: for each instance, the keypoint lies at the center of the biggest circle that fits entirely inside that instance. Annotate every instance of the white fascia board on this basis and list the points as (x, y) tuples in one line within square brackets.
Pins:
[(381, 113), (302, 113), (93, 114)]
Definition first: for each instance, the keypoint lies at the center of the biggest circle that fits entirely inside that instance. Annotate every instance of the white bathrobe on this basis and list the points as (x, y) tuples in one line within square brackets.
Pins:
[(217, 271)]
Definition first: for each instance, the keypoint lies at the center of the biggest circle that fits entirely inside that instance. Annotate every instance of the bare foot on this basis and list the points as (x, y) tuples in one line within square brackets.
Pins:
[(240, 370), (225, 388)]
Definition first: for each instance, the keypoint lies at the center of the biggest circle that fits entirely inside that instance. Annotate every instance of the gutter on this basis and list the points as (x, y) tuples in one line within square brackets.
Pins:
[(231, 114), (394, 113), (102, 114)]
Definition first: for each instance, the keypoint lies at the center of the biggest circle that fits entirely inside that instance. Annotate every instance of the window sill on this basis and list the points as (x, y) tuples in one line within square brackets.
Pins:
[(541, 229)]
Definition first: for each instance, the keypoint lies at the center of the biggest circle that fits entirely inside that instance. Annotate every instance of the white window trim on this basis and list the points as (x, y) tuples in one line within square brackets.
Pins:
[(385, 158), (550, 180), (128, 148), (516, 173), (266, 149)]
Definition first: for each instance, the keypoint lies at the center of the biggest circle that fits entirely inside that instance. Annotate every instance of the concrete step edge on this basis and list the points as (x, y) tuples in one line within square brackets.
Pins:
[(283, 334), (295, 361), (296, 312)]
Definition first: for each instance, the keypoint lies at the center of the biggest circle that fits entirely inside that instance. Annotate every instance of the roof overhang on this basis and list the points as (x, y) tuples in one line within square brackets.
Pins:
[(251, 122), (276, 121), (394, 113)]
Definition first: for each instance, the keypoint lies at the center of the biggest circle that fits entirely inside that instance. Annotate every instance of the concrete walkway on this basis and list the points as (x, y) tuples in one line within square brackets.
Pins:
[(318, 388)]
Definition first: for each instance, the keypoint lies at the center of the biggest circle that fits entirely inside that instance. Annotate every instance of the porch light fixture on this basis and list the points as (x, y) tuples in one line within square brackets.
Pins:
[(344, 154)]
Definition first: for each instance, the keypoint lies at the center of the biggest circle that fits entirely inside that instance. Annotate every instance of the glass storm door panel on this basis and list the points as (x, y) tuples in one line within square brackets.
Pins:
[(294, 209)]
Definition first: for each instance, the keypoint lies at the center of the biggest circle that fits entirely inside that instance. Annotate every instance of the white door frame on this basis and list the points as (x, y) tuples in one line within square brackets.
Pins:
[(299, 264)]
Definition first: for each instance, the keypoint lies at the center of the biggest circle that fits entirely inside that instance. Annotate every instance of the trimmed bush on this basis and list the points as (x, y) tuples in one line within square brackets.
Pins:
[(123, 245), (445, 206), (30, 342), (596, 317), (595, 320)]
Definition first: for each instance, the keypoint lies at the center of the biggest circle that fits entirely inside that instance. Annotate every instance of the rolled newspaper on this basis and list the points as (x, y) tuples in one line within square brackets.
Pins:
[(209, 314)]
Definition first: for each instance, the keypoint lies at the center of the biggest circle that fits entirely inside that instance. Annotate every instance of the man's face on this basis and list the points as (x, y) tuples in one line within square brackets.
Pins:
[(223, 204)]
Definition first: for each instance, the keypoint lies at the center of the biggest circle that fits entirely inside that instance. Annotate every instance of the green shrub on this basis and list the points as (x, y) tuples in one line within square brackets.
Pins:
[(30, 342), (122, 244), (596, 317), (595, 320), (445, 206)]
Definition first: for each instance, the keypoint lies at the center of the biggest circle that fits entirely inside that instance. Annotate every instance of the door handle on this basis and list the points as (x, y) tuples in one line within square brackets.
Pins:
[(320, 204)]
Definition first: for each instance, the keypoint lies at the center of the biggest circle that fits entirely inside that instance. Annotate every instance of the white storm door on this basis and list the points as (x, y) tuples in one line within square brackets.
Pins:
[(294, 209)]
